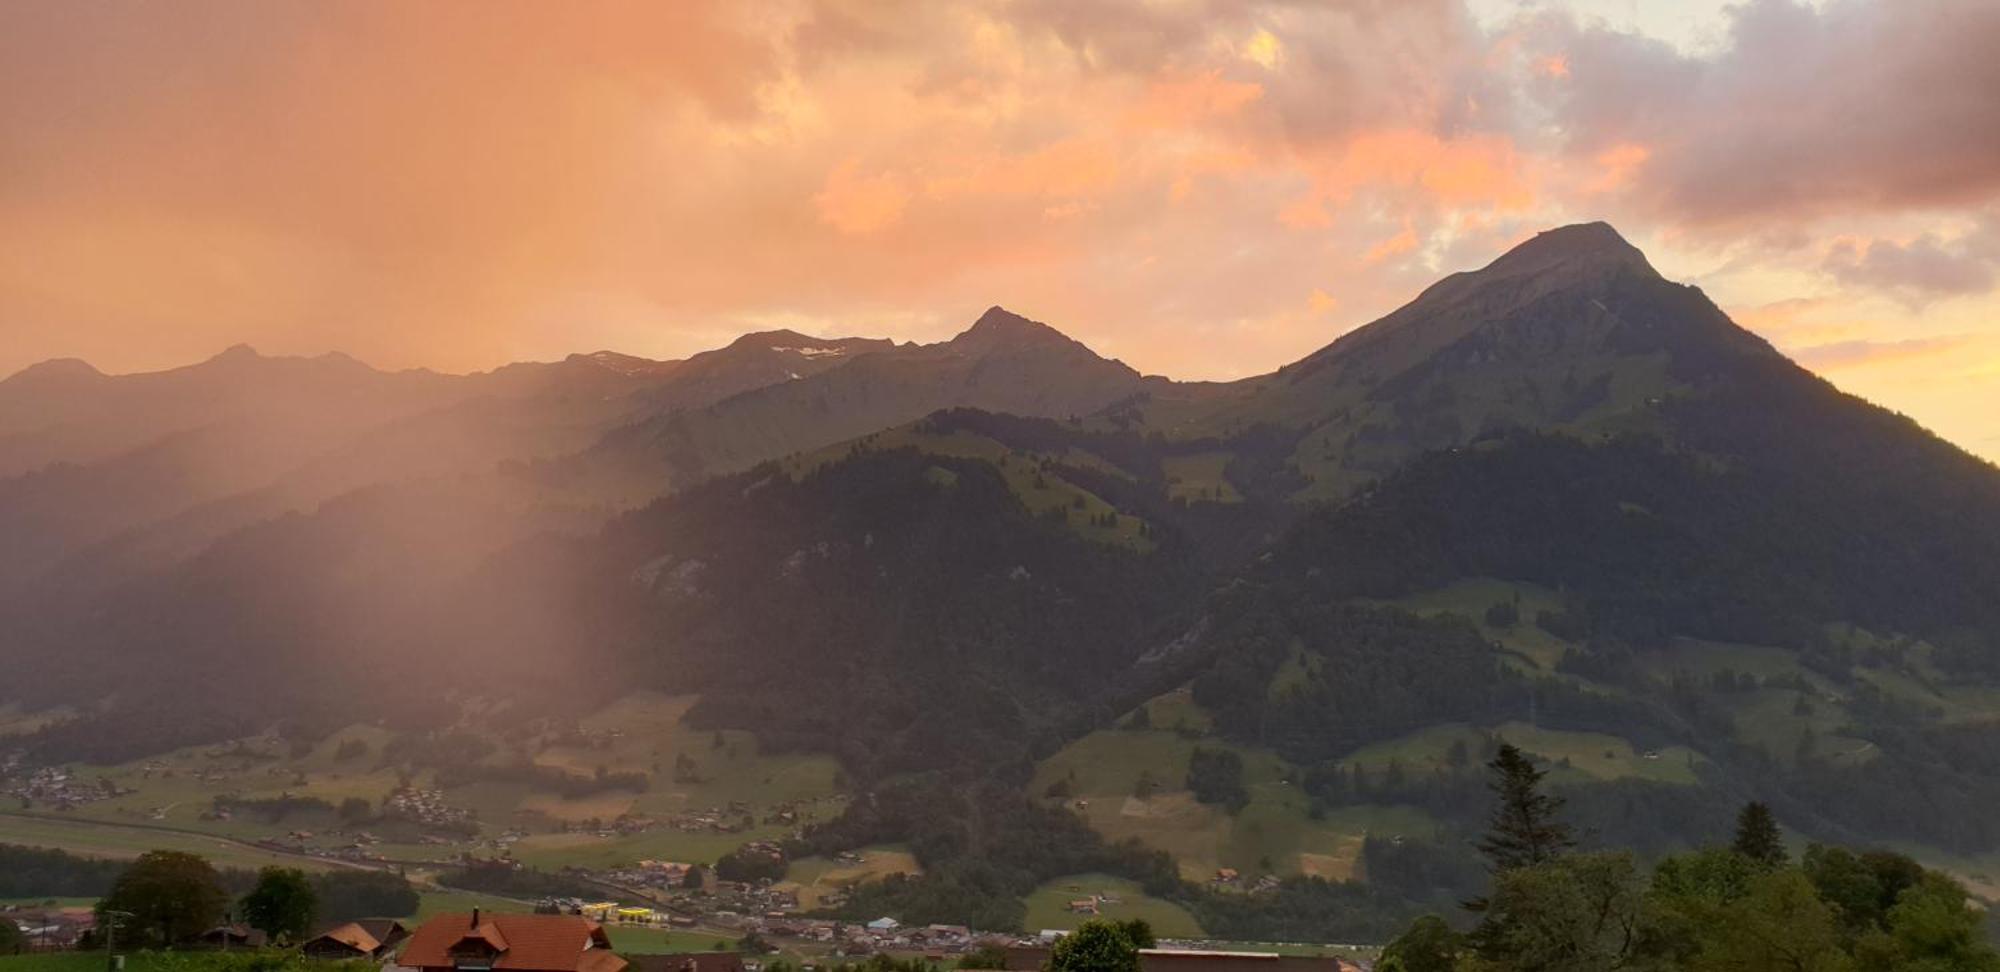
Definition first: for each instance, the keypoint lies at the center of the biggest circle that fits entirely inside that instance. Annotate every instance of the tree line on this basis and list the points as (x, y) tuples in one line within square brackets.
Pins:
[(1744, 905)]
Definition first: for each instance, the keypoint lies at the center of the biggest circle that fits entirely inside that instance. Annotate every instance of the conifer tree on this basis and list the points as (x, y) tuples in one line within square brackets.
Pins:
[(1524, 829), (1757, 836)]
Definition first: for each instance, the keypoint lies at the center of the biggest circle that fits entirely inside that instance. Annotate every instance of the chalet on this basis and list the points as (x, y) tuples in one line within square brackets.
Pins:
[(510, 943), (367, 938)]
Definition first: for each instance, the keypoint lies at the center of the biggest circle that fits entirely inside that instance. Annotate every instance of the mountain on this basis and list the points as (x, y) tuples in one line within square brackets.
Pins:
[(1053, 617), (102, 475), (1571, 330), (1002, 363)]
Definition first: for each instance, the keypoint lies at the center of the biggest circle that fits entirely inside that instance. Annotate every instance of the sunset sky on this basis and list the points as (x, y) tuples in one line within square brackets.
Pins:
[(1204, 189)]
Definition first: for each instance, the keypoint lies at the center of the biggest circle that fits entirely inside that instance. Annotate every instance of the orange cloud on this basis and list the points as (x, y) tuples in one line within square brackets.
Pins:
[(1176, 102), (1617, 166), (861, 204)]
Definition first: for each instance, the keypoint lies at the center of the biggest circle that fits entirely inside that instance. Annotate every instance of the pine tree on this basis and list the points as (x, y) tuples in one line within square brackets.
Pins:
[(1757, 836), (1524, 829)]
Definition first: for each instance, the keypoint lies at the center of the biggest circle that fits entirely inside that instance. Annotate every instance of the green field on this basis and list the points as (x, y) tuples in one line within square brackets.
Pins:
[(1603, 757), (1199, 478), (94, 962), (1590, 755), (641, 733), (1179, 711), (110, 840), (1047, 906), (815, 876), (1273, 833), (1470, 599)]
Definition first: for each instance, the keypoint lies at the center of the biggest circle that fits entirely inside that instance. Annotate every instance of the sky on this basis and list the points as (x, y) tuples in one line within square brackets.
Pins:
[(1203, 188)]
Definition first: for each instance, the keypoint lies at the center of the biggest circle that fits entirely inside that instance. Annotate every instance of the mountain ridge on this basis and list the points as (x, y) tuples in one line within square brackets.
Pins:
[(1641, 529)]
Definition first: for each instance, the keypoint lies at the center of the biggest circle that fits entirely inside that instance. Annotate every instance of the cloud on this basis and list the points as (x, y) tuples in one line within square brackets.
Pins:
[(1923, 269), (464, 182), (1806, 110), (1842, 355)]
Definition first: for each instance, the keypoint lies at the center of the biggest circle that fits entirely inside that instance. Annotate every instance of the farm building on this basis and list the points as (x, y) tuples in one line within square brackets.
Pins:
[(367, 938), (514, 943)]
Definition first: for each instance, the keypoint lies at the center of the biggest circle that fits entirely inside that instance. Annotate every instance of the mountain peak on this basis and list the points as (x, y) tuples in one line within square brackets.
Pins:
[(783, 337), (56, 371), (1593, 244), (1000, 328)]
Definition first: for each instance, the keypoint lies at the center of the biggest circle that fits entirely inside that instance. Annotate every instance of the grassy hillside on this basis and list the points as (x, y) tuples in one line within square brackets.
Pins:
[(96, 839), (1133, 784), (815, 878), (1116, 900)]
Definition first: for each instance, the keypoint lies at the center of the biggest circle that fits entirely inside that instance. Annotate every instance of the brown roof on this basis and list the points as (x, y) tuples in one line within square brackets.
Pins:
[(531, 943), (351, 935)]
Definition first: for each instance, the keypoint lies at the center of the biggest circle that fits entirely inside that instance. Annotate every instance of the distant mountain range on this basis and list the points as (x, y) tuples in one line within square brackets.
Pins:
[(1559, 496)]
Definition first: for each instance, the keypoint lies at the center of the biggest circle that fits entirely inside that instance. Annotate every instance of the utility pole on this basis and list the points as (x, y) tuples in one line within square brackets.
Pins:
[(111, 938)]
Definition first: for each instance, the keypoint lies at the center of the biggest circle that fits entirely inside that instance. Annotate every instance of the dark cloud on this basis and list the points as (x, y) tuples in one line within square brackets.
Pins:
[(1844, 107), (1923, 269)]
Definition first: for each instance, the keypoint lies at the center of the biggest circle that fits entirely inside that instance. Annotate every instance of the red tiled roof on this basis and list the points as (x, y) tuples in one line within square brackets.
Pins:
[(529, 943)]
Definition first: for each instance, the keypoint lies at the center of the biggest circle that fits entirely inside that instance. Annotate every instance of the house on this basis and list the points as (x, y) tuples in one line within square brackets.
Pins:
[(689, 962), (1083, 906), (366, 938), (884, 924), (513, 943), (50, 928)]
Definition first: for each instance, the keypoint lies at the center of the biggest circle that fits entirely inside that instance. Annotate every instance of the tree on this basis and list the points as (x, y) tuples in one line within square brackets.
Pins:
[(694, 879), (1576, 913), (1216, 776), (346, 895), (1779, 924), (1140, 931), (1523, 830), (1095, 946), (172, 897), (1932, 929), (11, 939), (282, 905), (1757, 836), (1863, 887), (1428, 946)]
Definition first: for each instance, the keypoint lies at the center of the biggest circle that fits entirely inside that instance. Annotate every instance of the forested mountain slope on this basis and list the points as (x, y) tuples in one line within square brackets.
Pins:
[(1262, 626)]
